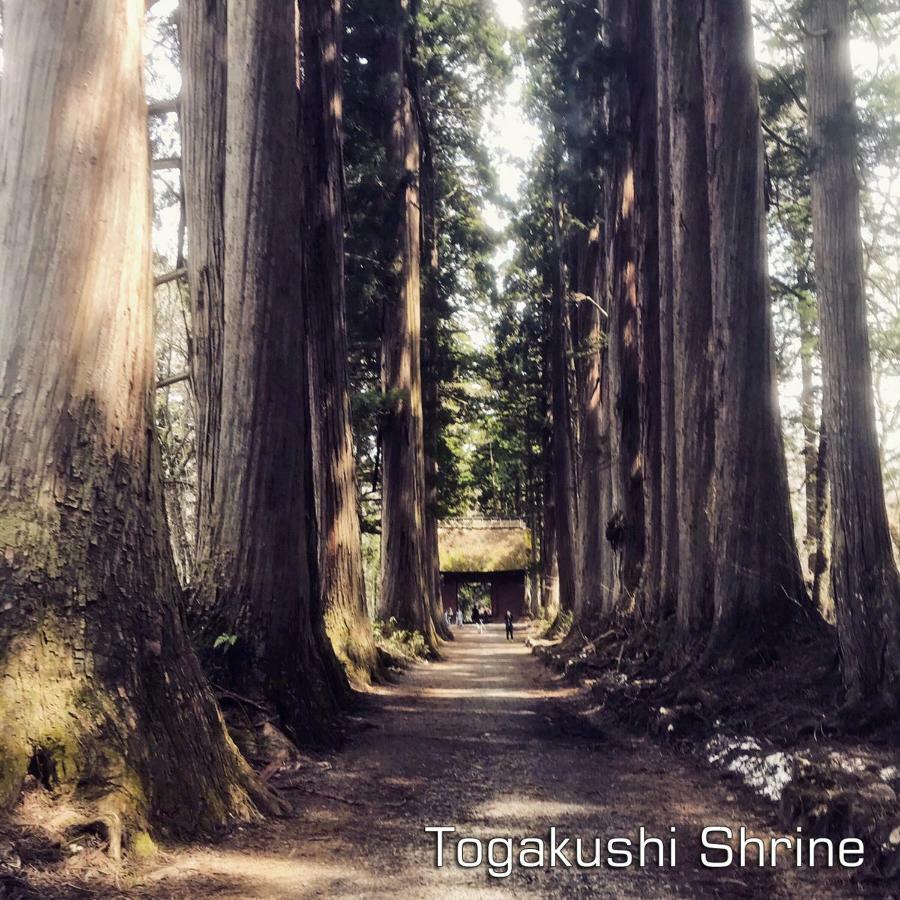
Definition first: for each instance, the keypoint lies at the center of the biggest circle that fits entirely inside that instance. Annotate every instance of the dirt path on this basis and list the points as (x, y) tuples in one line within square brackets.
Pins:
[(487, 742)]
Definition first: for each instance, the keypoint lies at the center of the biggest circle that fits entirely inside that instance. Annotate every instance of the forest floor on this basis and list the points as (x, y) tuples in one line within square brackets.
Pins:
[(490, 742)]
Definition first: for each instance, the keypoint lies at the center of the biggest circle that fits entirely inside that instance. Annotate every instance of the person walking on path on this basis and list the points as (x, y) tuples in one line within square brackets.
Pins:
[(476, 619), (509, 625), (459, 617)]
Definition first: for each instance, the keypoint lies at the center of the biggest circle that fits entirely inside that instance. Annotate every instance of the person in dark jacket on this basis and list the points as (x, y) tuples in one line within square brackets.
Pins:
[(509, 625)]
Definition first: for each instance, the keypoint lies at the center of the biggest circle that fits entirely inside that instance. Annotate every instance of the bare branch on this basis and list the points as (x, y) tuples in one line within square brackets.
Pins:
[(161, 107), (177, 378), (169, 162), (174, 275)]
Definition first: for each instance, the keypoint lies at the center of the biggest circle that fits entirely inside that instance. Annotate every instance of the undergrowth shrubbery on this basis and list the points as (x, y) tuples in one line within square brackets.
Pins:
[(398, 642)]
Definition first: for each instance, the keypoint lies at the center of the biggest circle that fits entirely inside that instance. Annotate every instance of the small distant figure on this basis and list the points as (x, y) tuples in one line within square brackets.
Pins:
[(448, 616), (477, 619), (459, 617), (509, 625)]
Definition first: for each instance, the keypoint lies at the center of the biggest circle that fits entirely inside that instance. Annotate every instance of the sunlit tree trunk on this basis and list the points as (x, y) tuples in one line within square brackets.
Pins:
[(204, 53), (334, 463), (404, 579), (758, 581), (256, 579), (431, 376), (864, 578), (97, 678)]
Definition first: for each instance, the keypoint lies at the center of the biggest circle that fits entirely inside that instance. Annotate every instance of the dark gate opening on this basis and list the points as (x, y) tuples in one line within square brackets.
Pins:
[(501, 591)]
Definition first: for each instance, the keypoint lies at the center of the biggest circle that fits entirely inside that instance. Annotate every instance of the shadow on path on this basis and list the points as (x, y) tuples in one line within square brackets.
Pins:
[(488, 742)]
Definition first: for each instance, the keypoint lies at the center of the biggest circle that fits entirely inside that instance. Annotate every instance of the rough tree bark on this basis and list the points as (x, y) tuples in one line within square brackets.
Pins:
[(334, 463), (595, 462), (864, 578), (625, 528), (100, 691), (758, 581), (204, 52), (691, 320), (549, 569), (642, 84), (549, 599), (256, 579), (431, 400), (668, 586), (585, 88), (563, 446), (809, 423), (404, 579)]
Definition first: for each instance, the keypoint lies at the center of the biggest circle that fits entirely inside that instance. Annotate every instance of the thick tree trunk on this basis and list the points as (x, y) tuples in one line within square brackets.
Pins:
[(864, 577), (334, 463), (404, 579), (533, 519), (595, 463), (431, 400), (204, 52), (585, 87), (668, 586), (625, 528), (691, 320), (643, 100), (97, 678), (563, 449), (758, 581), (549, 569), (609, 578), (256, 580)]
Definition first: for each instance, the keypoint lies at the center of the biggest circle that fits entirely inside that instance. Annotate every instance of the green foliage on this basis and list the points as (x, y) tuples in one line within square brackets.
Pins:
[(875, 126), (458, 67), (225, 642), (398, 642)]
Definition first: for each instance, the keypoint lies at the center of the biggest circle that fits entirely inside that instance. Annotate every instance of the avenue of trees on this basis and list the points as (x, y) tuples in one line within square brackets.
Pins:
[(191, 525), (643, 299)]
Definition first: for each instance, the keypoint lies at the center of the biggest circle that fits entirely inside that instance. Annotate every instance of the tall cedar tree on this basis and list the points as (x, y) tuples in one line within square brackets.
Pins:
[(256, 579), (758, 582), (668, 493), (691, 319), (404, 578), (431, 400), (585, 136), (340, 551), (641, 69), (99, 682), (625, 528), (563, 445), (865, 582)]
